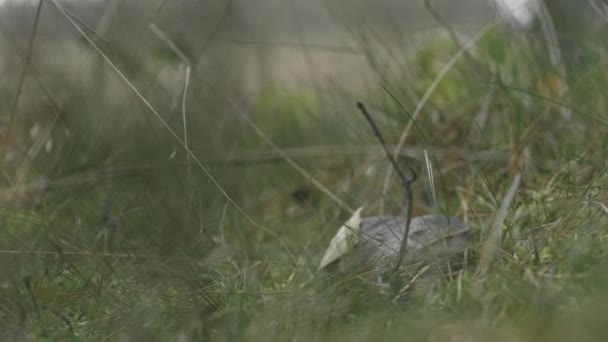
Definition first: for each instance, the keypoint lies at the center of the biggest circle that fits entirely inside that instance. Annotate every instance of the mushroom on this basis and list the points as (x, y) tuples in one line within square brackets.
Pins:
[(375, 241)]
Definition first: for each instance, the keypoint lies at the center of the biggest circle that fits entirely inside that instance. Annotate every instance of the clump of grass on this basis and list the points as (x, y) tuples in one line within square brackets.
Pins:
[(111, 234)]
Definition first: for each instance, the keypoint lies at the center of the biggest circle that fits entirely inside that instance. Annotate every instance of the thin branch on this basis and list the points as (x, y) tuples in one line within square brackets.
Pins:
[(405, 182), (255, 158)]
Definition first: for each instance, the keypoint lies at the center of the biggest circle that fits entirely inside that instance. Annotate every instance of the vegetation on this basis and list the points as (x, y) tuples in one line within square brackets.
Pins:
[(111, 230)]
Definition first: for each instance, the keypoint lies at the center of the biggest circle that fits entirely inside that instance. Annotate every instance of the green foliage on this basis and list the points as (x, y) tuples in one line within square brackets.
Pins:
[(289, 117), (495, 46)]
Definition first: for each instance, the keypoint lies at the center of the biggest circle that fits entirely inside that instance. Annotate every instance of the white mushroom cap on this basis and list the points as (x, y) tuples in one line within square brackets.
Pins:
[(376, 241)]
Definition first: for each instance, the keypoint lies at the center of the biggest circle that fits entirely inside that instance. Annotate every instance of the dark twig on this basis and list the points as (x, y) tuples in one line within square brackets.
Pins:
[(405, 182)]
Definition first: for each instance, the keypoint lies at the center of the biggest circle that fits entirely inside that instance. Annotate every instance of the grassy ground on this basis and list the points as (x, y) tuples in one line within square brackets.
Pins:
[(109, 230)]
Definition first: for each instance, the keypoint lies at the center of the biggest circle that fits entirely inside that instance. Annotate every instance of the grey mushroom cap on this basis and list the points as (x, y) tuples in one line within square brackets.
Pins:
[(433, 239)]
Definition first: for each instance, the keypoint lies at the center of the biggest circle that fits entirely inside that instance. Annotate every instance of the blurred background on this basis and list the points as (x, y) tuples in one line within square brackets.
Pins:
[(241, 46)]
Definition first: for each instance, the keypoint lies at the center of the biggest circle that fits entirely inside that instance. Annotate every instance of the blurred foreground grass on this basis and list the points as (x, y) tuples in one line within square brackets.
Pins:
[(110, 231)]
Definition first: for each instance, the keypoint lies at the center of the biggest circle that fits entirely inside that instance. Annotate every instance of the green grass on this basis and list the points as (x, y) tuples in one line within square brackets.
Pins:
[(111, 235)]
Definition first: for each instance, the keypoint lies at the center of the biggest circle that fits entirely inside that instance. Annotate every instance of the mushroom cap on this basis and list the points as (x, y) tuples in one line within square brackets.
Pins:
[(432, 239)]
